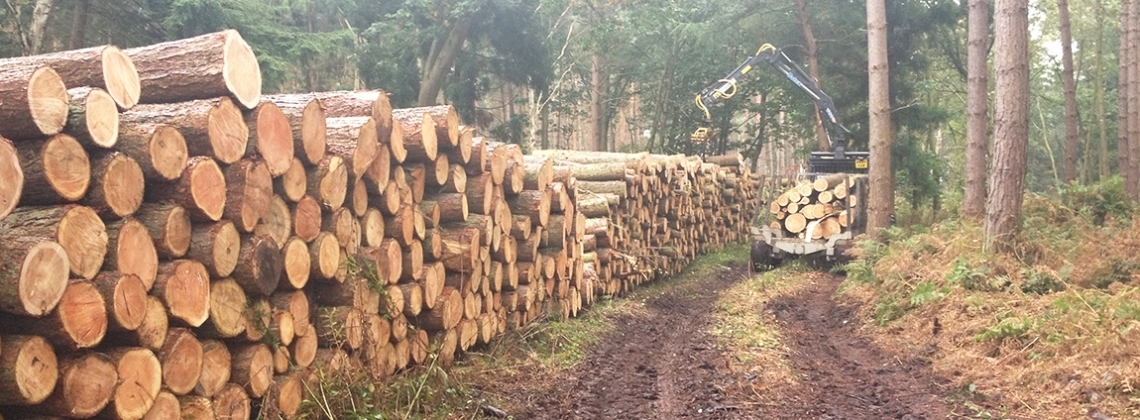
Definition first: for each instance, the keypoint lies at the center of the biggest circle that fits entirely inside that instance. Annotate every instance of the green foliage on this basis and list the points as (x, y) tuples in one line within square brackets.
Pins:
[(1041, 282), (1101, 201), (927, 292), (969, 277), (1015, 328)]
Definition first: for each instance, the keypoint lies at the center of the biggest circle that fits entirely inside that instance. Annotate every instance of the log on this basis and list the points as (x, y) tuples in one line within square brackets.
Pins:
[(379, 173), (539, 173), (104, 66), (324, 256), (515, 178), (116, 189), (216, 369), (159, 149), (438, 170), (401, 226), (249, 190), (432, 283), (252, 368), (80, 320), (388, 259), (125, 295), (795, 223), (413, 298), (445, 313), (258, 315), (131, 250), (77, 228), (354, 139), (184, 287), (420, 138), (28, 368), (400, 328), (306, 117), (306, 218), (193, 407), (215, 64), (389, 201), (270, 137), (304, 347), (232, 403), (433, 244), (396, 143), (35, 102), (281, 329), (460, 249), (285, 395), (296, 303), (201, 190), (291, 184), (452, 206), (35, 276), (446, 343), (298, 265), (211, 127), (356, 197), (372, 227), (413, 262), (181, 360), (534, 204), (56, 170), (11, 177), (166, 406), (418, 346), (477, 164), (216, 247), (140, 379), (93, 117), (456, 180), (277, 223), (328, 182), (339, 326), (151, 333), (85, 386), (227, 306), (416, 175), (259, 265), (480, 194), (345, 227), (461, 152), (392, 302)]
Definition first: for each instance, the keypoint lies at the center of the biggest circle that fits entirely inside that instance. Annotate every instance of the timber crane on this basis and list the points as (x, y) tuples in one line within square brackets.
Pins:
[(837, 160)]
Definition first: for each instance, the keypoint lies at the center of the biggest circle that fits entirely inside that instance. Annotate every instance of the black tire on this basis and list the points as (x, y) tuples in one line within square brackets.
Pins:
[(762, 256)]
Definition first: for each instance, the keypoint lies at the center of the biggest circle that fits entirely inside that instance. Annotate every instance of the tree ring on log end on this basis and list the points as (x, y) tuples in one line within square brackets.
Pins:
[(326, 252), (167, 151), (136, 253), (121, 185), (84, 236), (43, 277), (84, 314), (102, 118), (227, 131), (121, 78), (273, 125), (208, 188), (48, 100), (140, 379), (129, 303), (37, 369), (178, 229), (66, 167), (241, 70)]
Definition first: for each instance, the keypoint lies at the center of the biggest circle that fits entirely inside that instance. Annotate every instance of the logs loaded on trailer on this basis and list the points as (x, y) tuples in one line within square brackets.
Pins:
[(817, 209), (206, 250)]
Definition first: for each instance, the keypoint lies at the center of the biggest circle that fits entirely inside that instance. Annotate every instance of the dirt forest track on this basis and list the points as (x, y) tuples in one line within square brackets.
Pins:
[(664, 364)]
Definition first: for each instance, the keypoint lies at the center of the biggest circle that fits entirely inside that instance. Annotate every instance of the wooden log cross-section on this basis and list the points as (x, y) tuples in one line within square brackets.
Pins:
[(35, 101)]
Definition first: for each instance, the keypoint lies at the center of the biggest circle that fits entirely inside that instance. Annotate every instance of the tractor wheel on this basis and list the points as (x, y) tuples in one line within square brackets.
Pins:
[(762, 256)]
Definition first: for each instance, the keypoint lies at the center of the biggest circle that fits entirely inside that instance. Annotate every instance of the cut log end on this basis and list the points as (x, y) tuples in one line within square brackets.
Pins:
[(227, 131), (140, 379), (101, 118), (42, 279), (274, 138), (168, 153), (120, 77), (84, 387), (118, 189), (66, 167), (47, 101), (31, 363), (241, 71)]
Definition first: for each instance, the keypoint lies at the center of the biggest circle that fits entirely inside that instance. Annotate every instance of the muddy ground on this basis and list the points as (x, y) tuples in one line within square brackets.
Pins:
[(667, 366)]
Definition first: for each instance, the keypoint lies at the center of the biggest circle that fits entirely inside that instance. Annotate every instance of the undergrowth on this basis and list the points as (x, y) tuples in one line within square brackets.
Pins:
[(1050, 323)]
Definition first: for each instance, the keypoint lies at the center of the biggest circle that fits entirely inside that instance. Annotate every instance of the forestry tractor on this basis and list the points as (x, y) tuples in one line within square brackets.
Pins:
[(772, 241)]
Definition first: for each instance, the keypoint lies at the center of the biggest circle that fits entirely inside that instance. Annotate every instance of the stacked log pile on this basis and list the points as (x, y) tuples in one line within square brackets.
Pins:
[(173, 243), (821, 208)]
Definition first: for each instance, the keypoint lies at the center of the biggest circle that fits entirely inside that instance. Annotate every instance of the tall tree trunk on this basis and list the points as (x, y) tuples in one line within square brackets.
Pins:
[(1134, 96), (78, 25), (1101, 126), (1011, 121), (881, 202), (1122, 148), (1071, 121), (440, 61), (596, 131), (977, 114), (40, 16), (813, 69)]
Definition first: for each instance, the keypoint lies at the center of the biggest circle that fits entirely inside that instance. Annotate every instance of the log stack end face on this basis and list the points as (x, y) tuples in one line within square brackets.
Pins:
[(47, 101), (121, 78), (241, 70)]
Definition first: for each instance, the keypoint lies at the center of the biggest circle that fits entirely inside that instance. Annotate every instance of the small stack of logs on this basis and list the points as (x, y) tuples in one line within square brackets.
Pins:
[(174, 243), (821, 208)]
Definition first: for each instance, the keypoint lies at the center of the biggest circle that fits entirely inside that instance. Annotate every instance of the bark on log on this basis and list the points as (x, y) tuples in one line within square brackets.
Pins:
[(515, 178), (159, 149), (126, 299), (35, 276), (413, 262), (116, 189), (35, 102), (11, 177), (270, 137), (184, 287), (461, 153), (29, 370), (477, 164), (56, 170), (444, 118), (211, 127), (216, 247), (104, 66), (460, 249), (342, 224), (252, 368), (77, 228), (306, 117), (201, 190), (210, 65), (446, 312), (216, 366), (480, 194), (259, 265), (93, 117), (140, 379), (539, 173), (534, 204), (339, 326), (181, 360), (354, 139), (328, 183), (85, 386), (249, 189)]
